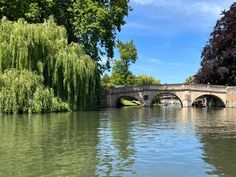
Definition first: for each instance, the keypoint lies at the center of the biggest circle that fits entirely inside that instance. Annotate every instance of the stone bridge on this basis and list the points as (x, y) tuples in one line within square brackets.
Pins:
[(186, 93)]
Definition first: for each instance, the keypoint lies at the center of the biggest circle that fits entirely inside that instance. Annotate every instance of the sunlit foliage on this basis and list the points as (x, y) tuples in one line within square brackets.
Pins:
[(24, 92), (43, 48), (121, 75), (146, 80), (92, 23), (218, 64), (116, 80), (190, 80)]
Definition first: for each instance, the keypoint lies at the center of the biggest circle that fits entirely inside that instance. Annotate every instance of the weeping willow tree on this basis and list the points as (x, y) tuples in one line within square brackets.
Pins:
[(43, 48), (24, 92)]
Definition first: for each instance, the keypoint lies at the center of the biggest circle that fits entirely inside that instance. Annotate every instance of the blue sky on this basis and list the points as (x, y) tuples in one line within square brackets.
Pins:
[(170, 34)]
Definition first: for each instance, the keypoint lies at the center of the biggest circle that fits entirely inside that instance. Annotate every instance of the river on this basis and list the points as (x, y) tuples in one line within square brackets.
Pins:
[(130, 142)]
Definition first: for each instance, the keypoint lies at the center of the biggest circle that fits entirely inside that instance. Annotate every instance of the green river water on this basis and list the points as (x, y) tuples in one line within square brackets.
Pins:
[(142, 142)]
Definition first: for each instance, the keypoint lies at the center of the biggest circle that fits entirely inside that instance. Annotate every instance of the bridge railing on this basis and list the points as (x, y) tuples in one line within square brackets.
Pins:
[(208, 87), (171, 87)]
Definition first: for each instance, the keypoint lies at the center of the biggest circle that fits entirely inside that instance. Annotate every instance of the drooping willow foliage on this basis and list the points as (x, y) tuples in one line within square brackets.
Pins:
[(43, 48), (24, 92)]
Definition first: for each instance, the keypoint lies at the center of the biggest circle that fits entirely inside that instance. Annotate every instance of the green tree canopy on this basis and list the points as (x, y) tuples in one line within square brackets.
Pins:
[(190, 80), (43, 48), (121, 75), (92, 23), (106, 81), (128, 52), (24, 92), (218, 64), (146, 80)]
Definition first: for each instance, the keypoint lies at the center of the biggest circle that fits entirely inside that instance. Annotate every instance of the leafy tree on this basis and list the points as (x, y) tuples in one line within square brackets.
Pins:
[(121, 75), (156, 100), (120, 71), (146, 80), (106, 81), (24, 92), (128, 53), (97, 22), (218, 64), (43, 48), (190, 80), (92, 23), (34, 11)]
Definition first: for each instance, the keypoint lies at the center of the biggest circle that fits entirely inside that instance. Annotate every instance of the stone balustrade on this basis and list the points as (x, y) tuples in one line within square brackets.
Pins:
[(197, 87)]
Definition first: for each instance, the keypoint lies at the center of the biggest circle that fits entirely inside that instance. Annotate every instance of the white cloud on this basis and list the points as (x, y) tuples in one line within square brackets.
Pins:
[(143, 2), (154, 2), (171, 17), (189, 7), (204, 7)]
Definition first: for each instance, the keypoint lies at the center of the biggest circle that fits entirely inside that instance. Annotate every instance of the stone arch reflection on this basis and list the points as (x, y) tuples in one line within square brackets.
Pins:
[(208, 100), (166, 99)]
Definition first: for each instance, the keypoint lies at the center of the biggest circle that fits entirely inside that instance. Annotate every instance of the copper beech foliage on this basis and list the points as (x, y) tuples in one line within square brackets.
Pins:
[(218, 64)]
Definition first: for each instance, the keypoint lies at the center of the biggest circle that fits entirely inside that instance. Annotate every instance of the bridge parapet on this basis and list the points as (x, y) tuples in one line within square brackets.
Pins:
[(169, 87), (202, 87)]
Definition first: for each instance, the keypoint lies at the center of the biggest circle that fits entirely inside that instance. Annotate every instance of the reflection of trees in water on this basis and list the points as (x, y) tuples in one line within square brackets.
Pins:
[(208, 101), (103, 143), (217, 133), (168, 115), (117, 149), (49, 144), (122, 135), (219, 153), (166, 99), (216, 129)]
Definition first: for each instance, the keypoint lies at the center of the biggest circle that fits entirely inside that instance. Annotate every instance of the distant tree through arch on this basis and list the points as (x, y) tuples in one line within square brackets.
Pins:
[(166, 99)]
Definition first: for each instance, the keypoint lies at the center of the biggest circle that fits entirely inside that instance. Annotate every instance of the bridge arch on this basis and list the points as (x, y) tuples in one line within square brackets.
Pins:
[(177, 96), (127, 97), (219, 99)]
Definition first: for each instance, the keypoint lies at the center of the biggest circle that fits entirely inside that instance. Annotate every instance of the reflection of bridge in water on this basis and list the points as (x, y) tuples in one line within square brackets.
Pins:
[(186, 93)]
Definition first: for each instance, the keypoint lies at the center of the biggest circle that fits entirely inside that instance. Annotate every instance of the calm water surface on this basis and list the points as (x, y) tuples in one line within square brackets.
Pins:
[(145, 142)]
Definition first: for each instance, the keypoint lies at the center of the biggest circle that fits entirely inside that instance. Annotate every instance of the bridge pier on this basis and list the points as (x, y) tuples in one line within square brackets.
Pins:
[(147, 103)]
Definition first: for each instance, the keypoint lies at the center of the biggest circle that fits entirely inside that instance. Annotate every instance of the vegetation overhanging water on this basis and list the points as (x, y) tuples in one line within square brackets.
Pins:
[(43, 49)]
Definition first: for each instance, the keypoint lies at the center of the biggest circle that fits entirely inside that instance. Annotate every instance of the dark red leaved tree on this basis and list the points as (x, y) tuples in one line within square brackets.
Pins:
[(218, 64)]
